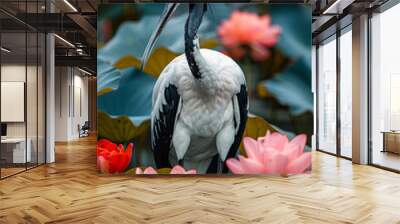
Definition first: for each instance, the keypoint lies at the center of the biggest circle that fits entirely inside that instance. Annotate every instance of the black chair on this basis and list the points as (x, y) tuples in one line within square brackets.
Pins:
[(84, 130)]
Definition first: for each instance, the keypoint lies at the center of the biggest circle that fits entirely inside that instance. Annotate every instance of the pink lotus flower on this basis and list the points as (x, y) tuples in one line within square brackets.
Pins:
[(176, 170), (272, 154), (250, 30), (148, 170)]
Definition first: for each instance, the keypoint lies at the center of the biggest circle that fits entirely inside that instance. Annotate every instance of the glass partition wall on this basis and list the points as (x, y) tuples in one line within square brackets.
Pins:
[(13, 90), (385, 89), (345, 93), (327, 95), (22, 77), (334, 93), (335, 125)]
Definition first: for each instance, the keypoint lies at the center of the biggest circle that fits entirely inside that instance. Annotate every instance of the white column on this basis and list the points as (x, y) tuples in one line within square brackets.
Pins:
[(360, 90), (50, 92)]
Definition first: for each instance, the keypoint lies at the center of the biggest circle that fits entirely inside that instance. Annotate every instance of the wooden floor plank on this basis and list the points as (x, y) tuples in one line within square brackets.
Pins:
[(71, 191)]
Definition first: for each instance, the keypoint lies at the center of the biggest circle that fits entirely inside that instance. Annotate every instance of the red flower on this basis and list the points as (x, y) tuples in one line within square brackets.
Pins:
[(112, 158)]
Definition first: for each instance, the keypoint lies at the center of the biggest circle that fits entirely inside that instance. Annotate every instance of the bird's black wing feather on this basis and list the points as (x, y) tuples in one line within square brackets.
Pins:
[(240, 124), (163, 126)]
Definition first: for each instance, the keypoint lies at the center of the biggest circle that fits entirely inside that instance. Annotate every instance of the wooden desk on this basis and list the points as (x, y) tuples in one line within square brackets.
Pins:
[(391, 141)]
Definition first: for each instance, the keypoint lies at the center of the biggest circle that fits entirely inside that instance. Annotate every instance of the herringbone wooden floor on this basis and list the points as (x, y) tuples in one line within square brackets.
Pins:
[(71, 191)]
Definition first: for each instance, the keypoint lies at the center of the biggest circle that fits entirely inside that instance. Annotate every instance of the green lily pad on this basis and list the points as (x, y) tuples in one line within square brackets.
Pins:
[(104, 91), (160, 58), (120, 129)]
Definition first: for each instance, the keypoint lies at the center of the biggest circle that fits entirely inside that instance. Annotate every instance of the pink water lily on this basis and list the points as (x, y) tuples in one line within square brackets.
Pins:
[(148, 170), (176, 170), (248, 30), (272, 154)]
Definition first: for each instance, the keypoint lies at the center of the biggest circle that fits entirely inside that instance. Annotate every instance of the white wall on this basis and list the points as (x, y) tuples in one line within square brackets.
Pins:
[(80, 110), (61, 103), (16, 73), (12, 73), (71, 102)]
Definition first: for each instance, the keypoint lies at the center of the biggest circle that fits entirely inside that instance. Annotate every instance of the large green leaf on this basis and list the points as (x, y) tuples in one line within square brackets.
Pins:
[(292, 86), (132, 96), (132, 36), (158, 60), (120, 129), (295, 21), (108, 78), (292, 89)]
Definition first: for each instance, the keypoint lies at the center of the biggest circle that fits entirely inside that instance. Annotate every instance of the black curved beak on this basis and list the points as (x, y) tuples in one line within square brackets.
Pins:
[(167, 13)]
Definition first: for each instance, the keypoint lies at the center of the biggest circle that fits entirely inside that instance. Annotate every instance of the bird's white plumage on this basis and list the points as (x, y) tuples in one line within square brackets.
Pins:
[(205, 119)]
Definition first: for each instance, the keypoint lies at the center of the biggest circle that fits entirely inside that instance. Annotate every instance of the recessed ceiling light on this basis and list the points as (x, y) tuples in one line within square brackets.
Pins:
[(84, 71), (337, 7), (5, 50), (64, 40), (70, 5)]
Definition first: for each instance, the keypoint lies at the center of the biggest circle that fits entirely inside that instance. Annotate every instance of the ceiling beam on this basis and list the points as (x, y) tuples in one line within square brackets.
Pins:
[(49, 22), (83, 23), (78, 61)]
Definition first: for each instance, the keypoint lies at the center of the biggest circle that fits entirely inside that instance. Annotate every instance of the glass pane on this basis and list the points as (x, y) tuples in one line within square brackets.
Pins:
[(13, 86), (346, 94), (32, 87), (41, 99), (22, 89), (385, 89), (327, 96), (32, 96)]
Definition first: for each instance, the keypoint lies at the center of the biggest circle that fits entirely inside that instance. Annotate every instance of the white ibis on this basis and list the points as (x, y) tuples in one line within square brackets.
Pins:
[(200, 103)]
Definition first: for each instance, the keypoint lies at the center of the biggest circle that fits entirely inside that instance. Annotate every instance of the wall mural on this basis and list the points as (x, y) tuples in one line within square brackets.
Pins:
[(204, 89)]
